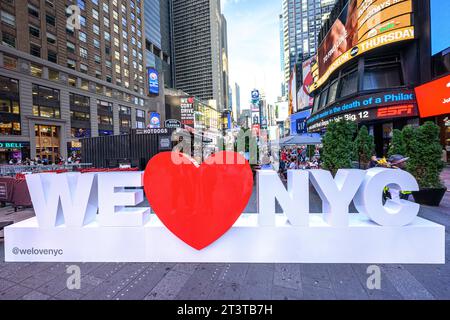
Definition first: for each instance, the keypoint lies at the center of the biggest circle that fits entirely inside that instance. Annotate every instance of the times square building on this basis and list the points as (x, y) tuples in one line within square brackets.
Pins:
[(373, 54)]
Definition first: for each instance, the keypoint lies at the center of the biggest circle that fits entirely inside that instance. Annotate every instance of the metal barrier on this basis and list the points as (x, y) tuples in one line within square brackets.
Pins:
[(12, 170)]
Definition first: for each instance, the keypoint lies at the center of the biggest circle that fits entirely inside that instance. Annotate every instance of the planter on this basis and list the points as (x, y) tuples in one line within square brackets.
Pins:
[(429, 197)]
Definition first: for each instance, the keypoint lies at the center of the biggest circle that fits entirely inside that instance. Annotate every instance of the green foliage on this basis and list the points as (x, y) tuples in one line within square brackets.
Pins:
[(424, 149), (338, 146), (397, 144), (364, 147), (408, 137)]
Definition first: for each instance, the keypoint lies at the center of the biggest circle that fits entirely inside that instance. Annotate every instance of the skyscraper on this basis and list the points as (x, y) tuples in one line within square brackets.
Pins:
[(158, 44), (236, 104), (66, 75), (302, 21), (198, 32)]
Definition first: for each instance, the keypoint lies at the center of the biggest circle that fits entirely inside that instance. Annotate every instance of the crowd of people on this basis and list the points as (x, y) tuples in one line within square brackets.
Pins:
[(297, 158), (38, 161)]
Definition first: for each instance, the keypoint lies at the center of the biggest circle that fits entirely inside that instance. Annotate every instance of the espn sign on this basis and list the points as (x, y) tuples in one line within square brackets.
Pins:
[(406, 110)]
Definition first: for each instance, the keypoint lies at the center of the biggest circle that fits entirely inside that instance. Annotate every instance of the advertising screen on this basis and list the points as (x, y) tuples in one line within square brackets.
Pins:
[(293, 92), (153, 81), (434, 98), (363, 25), (440, 25), (155, 120), (304, 99)]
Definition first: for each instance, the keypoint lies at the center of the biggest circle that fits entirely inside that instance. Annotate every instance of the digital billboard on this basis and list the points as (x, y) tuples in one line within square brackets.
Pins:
[(440, 25), (153, 81), (434, 97), (292, 89), (363, 25), (304, 99)]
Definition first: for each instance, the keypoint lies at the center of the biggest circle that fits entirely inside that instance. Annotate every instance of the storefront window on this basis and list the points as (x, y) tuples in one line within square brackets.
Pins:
[(47, 143)]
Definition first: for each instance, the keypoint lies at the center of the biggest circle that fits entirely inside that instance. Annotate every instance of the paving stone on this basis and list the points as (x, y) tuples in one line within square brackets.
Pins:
[(387, 290), (255, 292), (35, 295), (348, 289), (5, 284), (317, 293), (188, 268), (67, 294), (142, 285), (225, 291), (27, 272), (406, 284), (260, 275), (234, 273), (106, 270), (320, 283), (14, 293), (315, 271), (169, 286), (38, 279), (55, 286), (287, 276), (436, 279), (201, 283), (109, 288), (91, 280), (283, 293)]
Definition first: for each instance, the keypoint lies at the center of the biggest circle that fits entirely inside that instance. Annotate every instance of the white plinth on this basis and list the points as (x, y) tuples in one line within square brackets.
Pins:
[(422, 242)]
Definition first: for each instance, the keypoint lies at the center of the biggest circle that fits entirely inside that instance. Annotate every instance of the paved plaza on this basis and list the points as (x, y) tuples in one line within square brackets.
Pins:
[(152, 281)]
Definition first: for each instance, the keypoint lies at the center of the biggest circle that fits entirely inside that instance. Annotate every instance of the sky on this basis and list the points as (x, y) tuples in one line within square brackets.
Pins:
[(254, 46)]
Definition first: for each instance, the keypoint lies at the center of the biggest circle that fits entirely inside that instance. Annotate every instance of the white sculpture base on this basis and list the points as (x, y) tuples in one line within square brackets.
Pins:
[(422, 242)]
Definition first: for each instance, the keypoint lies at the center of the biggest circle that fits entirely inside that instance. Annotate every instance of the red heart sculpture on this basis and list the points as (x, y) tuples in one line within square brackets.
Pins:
[(198, 204)]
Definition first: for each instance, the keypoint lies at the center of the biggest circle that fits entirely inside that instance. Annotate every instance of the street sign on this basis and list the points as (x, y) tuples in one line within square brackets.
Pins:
[(172, 124)]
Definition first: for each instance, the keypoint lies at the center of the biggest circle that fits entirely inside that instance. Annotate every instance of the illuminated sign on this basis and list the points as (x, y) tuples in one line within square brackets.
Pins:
[(14, 145), (365, 108), (408, 110), (153, 81), (187, 111), (155, 120), (362, 26), (434, 98)]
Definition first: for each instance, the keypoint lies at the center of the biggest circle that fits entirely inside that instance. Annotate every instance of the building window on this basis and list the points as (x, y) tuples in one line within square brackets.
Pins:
[(8, 39), (349, 82), (52, 56), (9, 107), (9, 62), (104, 106), (72, 81), (53, 75), (33, 11), (36, 71), (46, 102), (34, 31), (382, 73), (35, 50), (8, 18), (50, 19)]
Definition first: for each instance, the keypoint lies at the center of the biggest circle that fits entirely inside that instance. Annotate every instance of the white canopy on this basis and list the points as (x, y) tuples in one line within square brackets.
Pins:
[(304, 139)]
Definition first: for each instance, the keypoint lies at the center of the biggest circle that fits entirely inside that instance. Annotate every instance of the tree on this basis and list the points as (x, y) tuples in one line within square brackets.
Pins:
[(397, 144), (425, 151), (408, 138), (338, 146), (364, 147)]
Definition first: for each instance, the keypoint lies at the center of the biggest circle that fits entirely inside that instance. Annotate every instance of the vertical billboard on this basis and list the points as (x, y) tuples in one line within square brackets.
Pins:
[(153, 81), (363, 25), (440, 25), (304, 99), (155, 120), (292, 90)]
